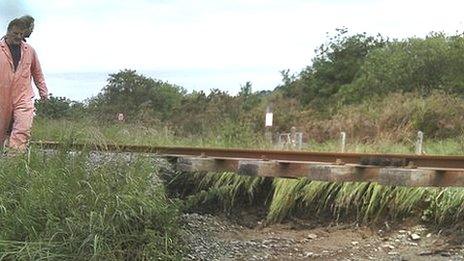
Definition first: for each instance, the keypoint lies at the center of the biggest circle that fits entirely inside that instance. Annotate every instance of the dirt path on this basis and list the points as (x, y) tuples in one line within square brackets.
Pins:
[(214, 238)]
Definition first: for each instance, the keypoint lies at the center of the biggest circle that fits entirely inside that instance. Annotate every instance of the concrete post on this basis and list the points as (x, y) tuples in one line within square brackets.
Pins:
[(268, 125), (342, 141), (420, 139)]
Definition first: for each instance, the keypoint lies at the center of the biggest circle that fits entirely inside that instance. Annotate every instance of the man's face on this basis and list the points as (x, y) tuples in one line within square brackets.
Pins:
[(29, 30), (14, 35)]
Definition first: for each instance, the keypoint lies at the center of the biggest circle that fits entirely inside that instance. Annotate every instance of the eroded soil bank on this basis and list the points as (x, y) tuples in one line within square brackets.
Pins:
[(243, 235)]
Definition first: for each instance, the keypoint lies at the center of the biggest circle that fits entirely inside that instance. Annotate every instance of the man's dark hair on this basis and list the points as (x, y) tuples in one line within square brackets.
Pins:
[(16, 23), (28, 20)]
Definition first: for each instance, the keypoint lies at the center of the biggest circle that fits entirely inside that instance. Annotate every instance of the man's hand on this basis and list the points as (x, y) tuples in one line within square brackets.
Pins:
[(44, 98)]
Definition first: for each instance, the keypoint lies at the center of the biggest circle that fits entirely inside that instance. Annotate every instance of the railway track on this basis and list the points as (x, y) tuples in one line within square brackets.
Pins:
[(388, 169)]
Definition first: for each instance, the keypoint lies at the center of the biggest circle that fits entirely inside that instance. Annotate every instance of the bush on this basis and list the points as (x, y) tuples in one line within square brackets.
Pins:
[(396, 117), (58, 107)]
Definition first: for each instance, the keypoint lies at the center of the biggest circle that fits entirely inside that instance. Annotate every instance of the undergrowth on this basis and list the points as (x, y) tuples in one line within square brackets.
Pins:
[(66, 206), (363, 202), (223, 190)]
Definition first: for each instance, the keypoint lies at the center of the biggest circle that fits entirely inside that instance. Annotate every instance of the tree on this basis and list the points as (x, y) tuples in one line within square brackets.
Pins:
[(58, 107), (337, 63), (134, 95), (412, 65)]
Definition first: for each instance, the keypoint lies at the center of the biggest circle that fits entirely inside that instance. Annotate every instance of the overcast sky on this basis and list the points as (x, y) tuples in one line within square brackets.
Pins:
[(212, 43)]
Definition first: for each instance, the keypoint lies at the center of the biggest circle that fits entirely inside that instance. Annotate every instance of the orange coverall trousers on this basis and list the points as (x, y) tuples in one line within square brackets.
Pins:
[(16, 94)]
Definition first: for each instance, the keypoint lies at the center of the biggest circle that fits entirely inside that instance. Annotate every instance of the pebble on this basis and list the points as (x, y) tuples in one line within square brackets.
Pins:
[(309, 254), (312, 236), (388, 246)]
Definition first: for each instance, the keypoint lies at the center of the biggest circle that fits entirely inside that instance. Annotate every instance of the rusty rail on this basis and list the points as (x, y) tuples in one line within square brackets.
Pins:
[(397, 160), (386, 169)]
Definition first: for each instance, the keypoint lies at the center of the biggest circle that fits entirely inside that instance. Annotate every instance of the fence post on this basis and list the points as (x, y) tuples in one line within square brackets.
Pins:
[(420, 139), (268, 125), (343, 141)]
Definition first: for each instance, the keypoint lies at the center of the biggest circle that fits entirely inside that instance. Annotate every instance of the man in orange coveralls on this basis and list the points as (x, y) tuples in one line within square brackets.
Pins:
[(18, 63)]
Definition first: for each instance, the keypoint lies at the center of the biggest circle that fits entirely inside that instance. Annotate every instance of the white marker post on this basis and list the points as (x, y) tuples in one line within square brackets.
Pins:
[(343, 141), (420, 139), (268, 124)]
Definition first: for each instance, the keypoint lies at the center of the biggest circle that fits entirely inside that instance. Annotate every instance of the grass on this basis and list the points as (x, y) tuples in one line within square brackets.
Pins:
[(89, 131), (283, 198), (133, 134), (227, 190), (63, 207), (362, 202)]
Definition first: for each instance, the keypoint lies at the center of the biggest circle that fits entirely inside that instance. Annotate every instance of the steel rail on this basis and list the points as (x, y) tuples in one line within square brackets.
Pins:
[(429, 161)]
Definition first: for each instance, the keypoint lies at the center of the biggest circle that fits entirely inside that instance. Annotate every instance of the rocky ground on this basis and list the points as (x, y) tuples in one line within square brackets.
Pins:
[(217, 238)]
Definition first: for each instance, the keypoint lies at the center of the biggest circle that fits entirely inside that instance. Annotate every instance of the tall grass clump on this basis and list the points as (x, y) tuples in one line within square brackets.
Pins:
[(447, 206), (287, 193), (363, 202), (69, 206), (358, 201), (224, 190)]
